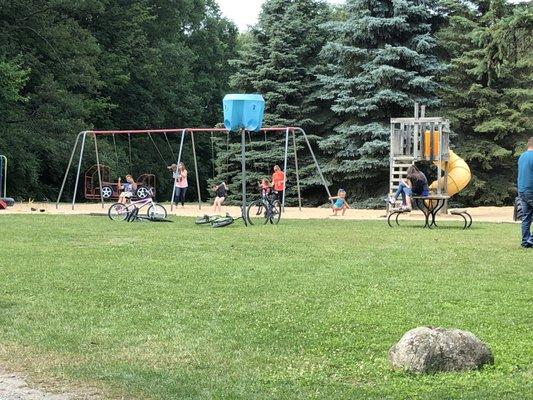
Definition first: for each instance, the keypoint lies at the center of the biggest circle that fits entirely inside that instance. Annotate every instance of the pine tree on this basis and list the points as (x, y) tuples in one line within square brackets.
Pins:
[(381, 62), (487, 93), (280, 60)]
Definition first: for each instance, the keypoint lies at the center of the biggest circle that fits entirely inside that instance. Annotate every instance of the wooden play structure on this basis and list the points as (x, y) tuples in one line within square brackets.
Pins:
[(424, 138)]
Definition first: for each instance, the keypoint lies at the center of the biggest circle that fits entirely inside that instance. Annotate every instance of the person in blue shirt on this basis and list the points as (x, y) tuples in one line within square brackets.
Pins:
[(525, 192), (340, 202)]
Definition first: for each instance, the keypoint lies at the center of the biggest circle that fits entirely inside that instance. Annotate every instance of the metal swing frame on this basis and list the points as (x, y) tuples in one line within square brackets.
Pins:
[(3, 176), (81, 140)]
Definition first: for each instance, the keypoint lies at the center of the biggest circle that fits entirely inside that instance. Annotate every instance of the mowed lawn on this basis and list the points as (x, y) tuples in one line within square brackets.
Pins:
[(303, 310)]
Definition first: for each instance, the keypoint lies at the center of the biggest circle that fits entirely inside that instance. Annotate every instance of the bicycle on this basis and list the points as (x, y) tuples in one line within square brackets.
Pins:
[(266, 209), (216, 221), (121, 212)]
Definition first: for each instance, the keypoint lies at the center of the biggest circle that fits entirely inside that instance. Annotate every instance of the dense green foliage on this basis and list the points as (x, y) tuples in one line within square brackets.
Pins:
[(281, 60), (381, 61), (340, 72), (288, 315), (69, 66), (487, 93)]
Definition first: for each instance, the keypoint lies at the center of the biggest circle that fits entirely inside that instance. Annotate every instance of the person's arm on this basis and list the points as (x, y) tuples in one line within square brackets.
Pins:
[(334, 197), (347, 205)]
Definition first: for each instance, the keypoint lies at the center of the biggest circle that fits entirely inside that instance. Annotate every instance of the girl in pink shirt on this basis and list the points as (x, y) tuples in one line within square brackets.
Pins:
[(180, 176)]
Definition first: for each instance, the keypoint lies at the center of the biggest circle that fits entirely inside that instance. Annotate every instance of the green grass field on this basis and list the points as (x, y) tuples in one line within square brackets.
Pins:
[(303, 310)]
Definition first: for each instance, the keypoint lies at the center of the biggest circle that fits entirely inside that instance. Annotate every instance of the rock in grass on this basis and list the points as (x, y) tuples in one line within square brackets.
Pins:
[(428, 349)]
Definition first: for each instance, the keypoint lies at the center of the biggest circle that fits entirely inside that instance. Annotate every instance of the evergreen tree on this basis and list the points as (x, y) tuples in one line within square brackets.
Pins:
[(280, 60), (70, 66), (487, 92), (381, 62)]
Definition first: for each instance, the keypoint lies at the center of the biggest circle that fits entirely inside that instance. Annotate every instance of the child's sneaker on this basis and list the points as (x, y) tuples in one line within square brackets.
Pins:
[(391, 200)]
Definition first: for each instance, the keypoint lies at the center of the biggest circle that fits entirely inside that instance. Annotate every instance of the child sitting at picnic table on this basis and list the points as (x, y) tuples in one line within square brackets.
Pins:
[(127, 189), (416, 184), (340, 202)]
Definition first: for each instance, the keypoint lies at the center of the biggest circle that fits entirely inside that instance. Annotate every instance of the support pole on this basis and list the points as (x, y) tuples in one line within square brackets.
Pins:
[(297, 171), (196, 171), (176, 177), (3, 176), (98, 169), (285, 169), (68, 169), (79, 169), (316, 163), (243, 174)]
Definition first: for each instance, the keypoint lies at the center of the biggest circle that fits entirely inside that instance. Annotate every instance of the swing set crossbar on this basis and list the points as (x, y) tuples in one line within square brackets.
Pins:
[(175, 130)]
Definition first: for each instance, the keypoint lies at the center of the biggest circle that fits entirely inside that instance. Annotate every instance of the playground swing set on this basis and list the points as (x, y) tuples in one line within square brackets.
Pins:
[(242, 114)]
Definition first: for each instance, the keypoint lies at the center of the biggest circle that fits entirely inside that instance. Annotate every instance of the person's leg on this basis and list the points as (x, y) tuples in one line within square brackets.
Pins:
[(182, 196), (527, 216), (408, 193), (399, 191), (344, 208)]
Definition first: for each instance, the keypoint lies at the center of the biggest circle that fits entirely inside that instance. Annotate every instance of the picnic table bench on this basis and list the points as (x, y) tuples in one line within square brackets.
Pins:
[(430, 206)]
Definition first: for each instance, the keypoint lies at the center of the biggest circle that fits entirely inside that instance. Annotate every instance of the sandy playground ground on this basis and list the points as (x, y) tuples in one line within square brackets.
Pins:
[(479, 214)]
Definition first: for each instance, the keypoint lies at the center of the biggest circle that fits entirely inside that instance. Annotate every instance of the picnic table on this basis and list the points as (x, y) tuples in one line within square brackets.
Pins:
[(429, 205)]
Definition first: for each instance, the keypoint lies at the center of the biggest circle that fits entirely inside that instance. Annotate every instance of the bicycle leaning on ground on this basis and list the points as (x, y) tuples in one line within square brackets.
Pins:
[(266, 209), (121, 212)]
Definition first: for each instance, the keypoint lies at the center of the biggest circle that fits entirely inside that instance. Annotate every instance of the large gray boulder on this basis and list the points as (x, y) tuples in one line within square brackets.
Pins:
[(428, 349)]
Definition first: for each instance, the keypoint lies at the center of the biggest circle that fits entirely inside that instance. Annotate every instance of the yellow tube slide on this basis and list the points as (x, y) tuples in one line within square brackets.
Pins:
[(459, 175)]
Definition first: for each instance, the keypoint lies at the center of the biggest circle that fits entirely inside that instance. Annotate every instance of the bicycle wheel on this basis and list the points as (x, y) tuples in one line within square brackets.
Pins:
[(118, 212), (156, 211), (206, 219), (275, 212), (256, 213), (221, 222)]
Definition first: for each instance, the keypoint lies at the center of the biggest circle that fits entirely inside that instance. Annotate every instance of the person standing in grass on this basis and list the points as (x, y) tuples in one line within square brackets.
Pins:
[(525, 192), (278, 182)]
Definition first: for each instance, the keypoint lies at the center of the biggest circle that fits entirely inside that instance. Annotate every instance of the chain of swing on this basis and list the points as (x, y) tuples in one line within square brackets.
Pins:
[(130, 168)]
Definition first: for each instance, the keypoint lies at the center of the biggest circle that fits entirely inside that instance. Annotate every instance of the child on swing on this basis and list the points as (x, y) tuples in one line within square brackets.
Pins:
[(127, 189), (340, 202)]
